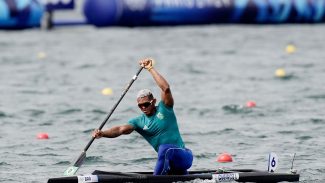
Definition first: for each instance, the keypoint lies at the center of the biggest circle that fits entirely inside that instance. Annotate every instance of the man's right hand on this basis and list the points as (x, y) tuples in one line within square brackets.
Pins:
[(146, 63), (97, 134)]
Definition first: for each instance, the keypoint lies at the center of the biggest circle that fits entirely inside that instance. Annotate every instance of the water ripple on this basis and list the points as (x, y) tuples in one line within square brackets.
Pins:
[(287, 77), (304, 137), (209, 133), (94, 159), (4, 163), (317, 121), (285, 132), (38, 155), (98, 111), (316, 97), (63, 163), (204, 155), (49, 123), (236, 109), (2, 114), (143, 160), (34, 112), (70, 111), (86, 66)]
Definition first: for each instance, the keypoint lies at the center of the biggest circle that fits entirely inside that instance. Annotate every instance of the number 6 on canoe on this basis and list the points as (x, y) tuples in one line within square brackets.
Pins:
[(74, 168)]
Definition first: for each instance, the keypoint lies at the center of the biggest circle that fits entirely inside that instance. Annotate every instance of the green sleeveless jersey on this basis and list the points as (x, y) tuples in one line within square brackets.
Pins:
[(160, 128)]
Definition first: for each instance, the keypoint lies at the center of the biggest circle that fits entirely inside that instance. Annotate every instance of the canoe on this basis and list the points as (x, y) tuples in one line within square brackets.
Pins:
[(219, 175)]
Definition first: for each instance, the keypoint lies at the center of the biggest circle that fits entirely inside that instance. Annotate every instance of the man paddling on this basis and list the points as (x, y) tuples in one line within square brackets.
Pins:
[(158, 125)]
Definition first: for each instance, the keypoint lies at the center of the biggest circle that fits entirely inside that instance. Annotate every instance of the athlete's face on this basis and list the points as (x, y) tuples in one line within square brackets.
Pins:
[(147, 105)]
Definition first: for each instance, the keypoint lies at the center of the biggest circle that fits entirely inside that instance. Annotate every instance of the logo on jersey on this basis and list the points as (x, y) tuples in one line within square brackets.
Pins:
[(160, 116), (145, 127)]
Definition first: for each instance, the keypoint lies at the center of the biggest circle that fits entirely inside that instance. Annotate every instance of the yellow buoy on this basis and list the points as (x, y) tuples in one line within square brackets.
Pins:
[(280, 73), (41, 55), (291, 49), (107, 91)]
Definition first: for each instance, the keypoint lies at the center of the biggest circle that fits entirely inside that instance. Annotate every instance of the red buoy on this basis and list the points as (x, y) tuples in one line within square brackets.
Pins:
[(224, 158), (42, 136), (250, 104)]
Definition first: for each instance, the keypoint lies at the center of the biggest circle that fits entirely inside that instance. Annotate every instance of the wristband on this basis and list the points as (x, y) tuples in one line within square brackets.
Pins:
[(150, 68)]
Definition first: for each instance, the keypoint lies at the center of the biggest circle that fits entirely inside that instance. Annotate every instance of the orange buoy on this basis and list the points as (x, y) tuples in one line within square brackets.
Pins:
[(224, 158), (250, 104), (42, 136)]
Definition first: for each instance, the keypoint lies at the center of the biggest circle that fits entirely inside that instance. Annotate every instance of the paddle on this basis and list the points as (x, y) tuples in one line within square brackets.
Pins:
[(73, 169)]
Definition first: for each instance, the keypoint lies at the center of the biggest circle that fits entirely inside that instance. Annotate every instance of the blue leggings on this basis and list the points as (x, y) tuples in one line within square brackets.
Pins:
[(173, 160)]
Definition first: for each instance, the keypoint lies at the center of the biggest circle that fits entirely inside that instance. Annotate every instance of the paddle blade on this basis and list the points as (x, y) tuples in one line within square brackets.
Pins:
[(73, 169)]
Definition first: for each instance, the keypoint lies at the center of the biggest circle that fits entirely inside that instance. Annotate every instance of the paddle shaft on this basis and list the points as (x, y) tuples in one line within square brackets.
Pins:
[(73, 169), (114, 107), (83, 154)]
